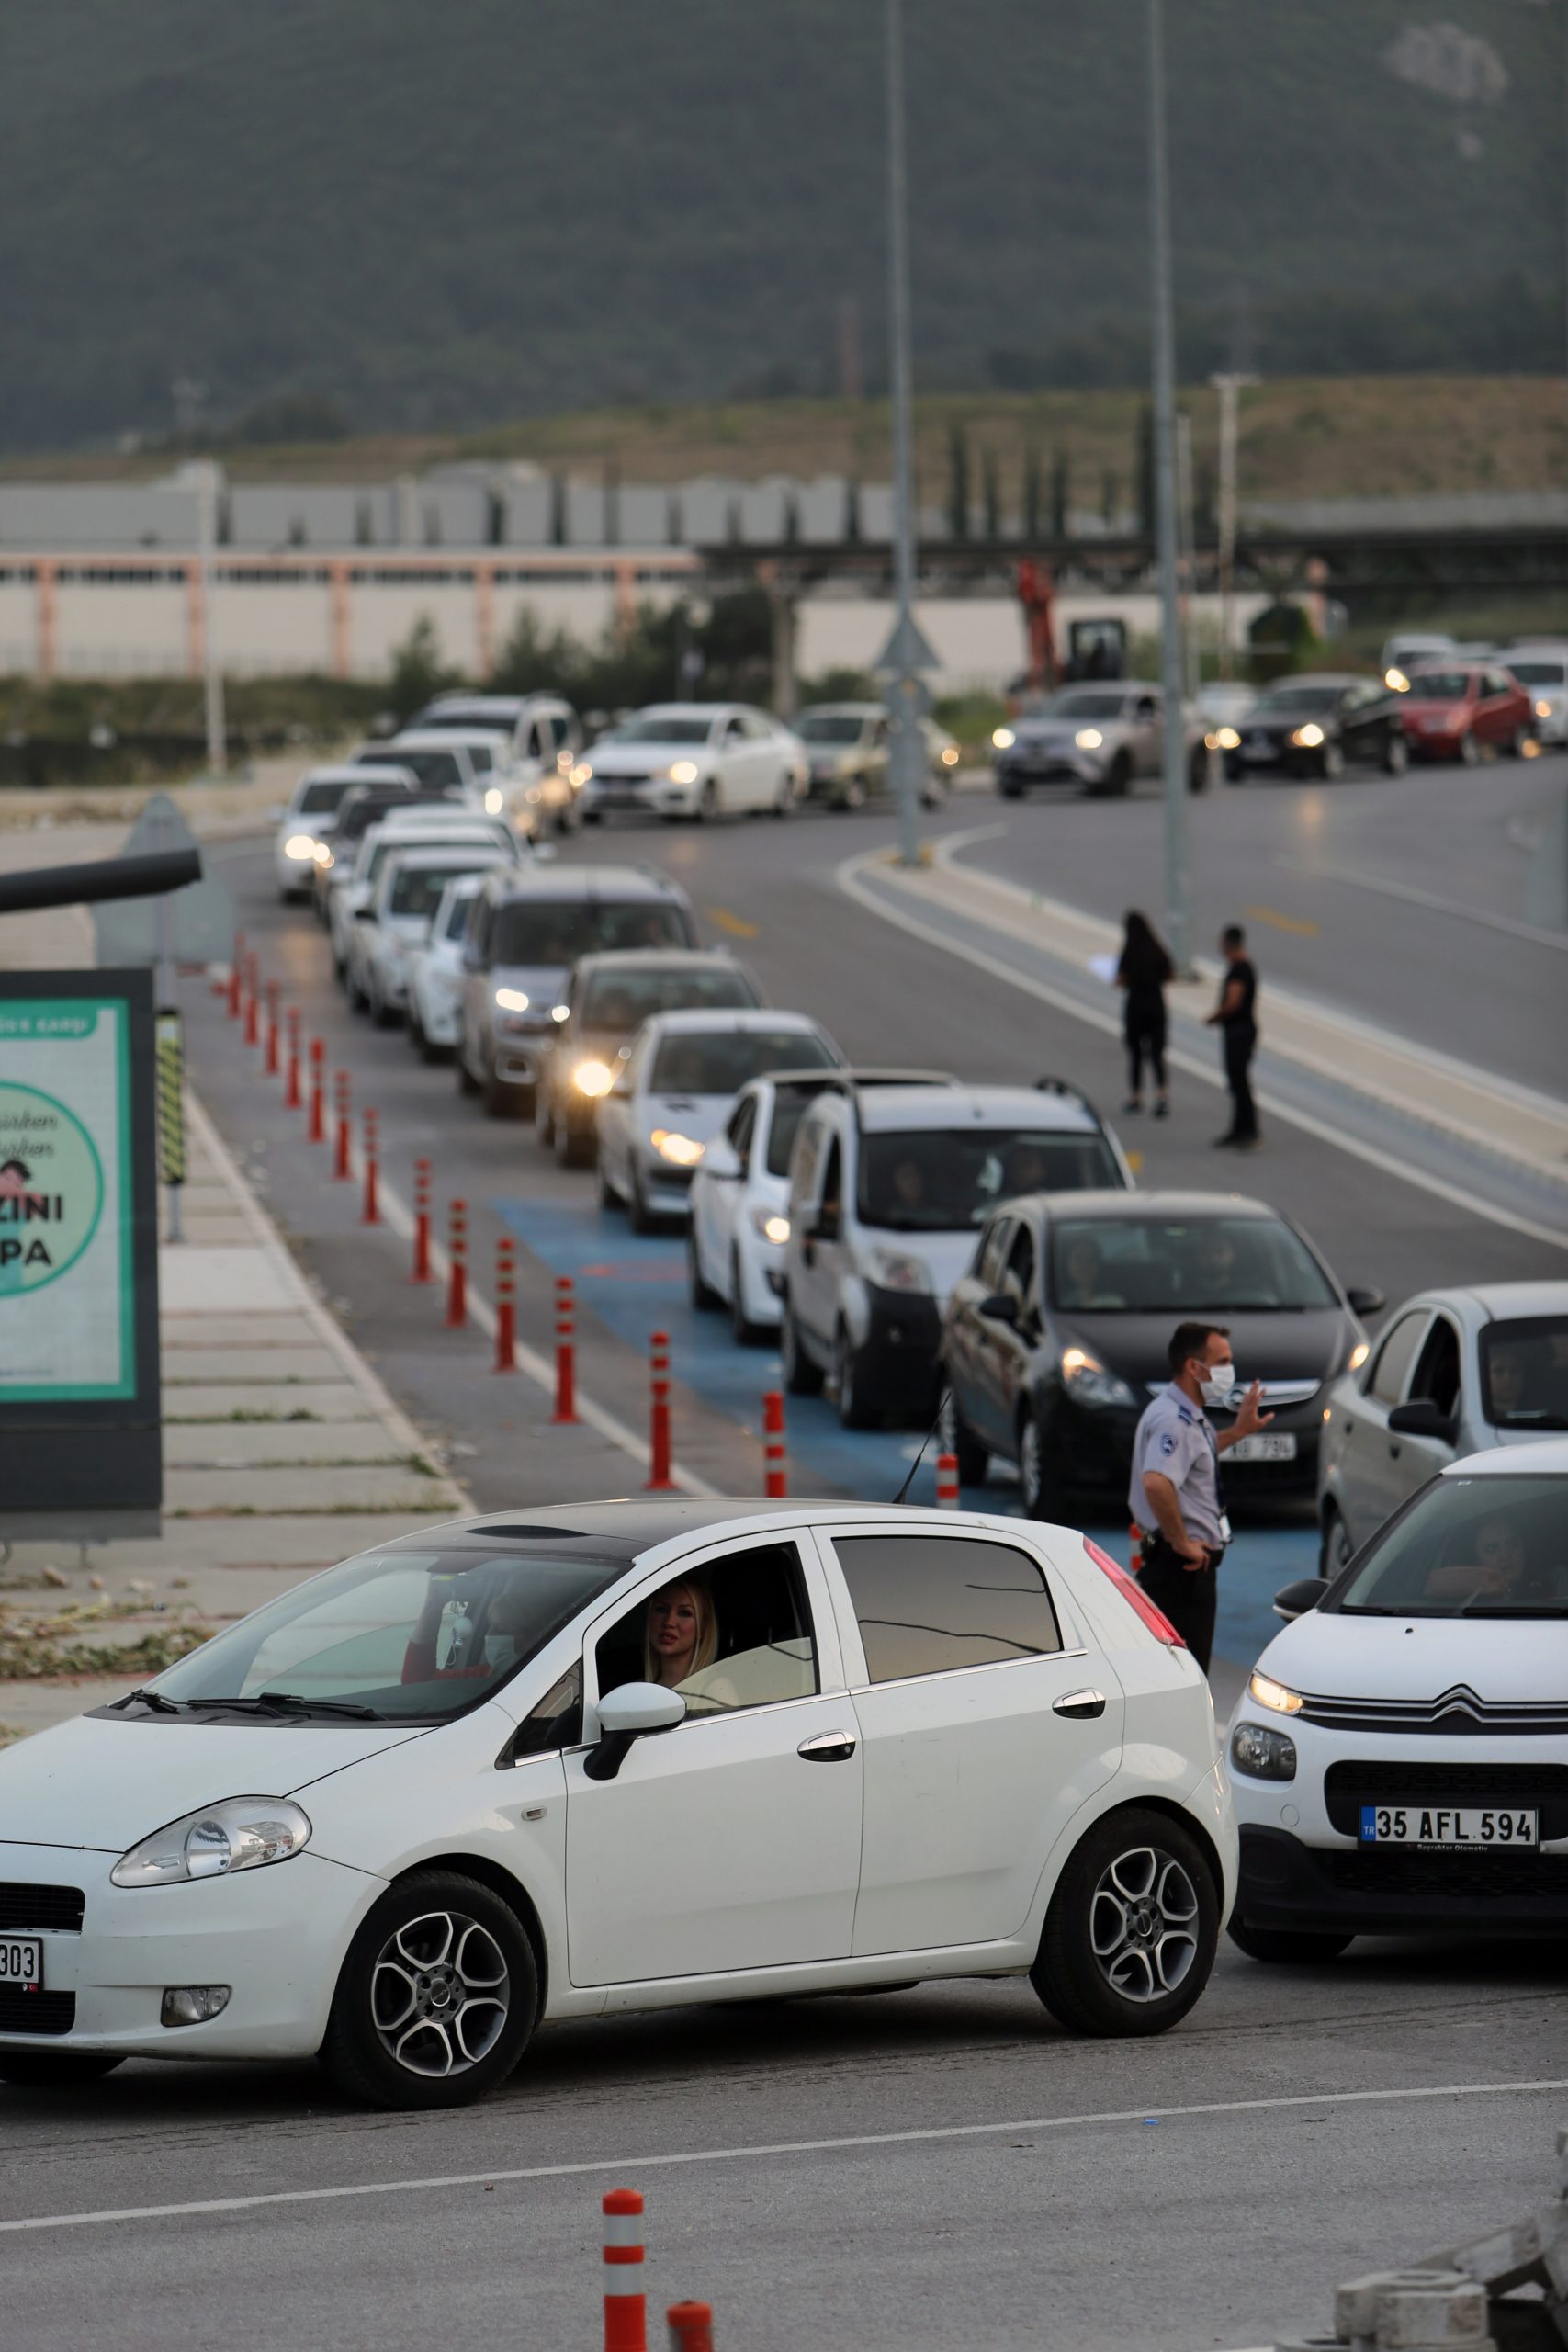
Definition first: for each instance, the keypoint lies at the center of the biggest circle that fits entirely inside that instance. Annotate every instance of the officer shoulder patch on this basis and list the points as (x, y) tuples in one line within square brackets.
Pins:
[(1167, 1443)]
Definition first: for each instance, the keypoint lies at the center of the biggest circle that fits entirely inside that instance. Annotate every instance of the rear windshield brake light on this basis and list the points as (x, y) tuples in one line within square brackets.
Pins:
[(1135, 1597)]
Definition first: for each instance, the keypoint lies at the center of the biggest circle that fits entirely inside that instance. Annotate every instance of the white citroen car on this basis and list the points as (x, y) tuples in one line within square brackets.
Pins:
[(634, 1756), (696, 759), (672, 1093), (1400, 1756), (435, 974)]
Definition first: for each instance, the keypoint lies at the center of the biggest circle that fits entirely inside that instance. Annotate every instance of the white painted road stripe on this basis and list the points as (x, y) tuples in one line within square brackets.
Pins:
[(627, 2165), (850, 881), (1407, 891)]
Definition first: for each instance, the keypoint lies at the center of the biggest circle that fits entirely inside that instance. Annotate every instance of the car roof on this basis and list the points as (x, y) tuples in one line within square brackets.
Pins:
[(1543, 1456), (1189, 1208), (626, 1528), (657, 959), (595, 883), (357, 771), (684, 1019), (418, 853), (1320, 678), (902, 1110), (1498, 1301), (688, 709)]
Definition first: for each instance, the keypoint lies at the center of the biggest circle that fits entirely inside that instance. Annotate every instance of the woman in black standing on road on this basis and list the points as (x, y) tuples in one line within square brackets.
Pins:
[(1144, 970)]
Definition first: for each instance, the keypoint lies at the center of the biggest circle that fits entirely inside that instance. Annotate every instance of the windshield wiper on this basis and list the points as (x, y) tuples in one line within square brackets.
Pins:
[(290, 1702), (154, 1699), (1512, 1609)]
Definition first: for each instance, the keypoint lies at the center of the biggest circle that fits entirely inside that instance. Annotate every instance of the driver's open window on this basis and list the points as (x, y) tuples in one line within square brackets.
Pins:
[(1437, 1370), (735, 1631)]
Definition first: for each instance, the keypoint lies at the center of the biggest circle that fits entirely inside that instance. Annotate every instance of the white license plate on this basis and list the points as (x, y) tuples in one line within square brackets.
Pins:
[(1269, 1445), (21, 1963), (1459, 1827)]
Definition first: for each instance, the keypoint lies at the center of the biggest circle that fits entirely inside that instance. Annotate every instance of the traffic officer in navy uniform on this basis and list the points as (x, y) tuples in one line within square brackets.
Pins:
[(1174, 1495)]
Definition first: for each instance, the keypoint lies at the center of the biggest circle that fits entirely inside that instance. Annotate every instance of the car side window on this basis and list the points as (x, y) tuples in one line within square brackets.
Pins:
[(830, 1215), (1018, 1280), (741, 1128), (929, 1604), (555, 1721), (476, 939), (750, 1626), (1436, 1373), (733, 731), (1387, 1382), (993, 1253)]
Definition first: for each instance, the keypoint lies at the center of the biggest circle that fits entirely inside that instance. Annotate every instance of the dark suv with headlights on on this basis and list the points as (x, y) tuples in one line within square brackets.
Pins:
[(605, 999), (1319, 727), (1054, 1340)]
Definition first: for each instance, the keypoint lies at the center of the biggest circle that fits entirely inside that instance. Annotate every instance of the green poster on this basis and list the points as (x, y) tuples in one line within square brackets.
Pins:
[(67, 1273)]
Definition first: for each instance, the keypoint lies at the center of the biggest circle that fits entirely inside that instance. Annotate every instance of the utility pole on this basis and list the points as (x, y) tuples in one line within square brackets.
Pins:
[(1178, 893), (907, 749), (207, 505), (1228, 386)]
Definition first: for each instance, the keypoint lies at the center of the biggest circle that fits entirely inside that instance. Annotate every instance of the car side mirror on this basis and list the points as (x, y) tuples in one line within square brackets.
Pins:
[(1000, 1308), (1362, 1301), (1295, 1599), (1423, 1417), (634, 1711)]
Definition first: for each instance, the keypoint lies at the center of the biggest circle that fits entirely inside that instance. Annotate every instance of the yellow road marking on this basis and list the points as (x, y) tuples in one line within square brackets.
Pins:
[(1271, 915), (736, 925)]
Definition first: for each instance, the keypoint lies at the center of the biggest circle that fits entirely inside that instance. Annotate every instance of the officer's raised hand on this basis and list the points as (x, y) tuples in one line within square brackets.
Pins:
[(1249, 1418)]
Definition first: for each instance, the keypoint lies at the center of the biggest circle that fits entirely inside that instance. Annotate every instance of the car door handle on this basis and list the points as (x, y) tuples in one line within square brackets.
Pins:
[(827, 1748), (1082, 1706)]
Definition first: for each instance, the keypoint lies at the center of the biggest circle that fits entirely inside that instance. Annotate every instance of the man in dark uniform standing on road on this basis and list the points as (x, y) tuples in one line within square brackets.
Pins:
[(1174, 1495), (1235, 1017)]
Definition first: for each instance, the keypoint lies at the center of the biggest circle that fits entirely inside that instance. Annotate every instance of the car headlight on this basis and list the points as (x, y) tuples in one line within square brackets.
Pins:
[(593, 1078), (770, 1225), (1087, 1382), (1003, 738), (895, 1269), (680, 1151), (512, 1000), (1269, 1693), (300, 846), (1228, 740), (241, 1834), (1266, 1755), (322, 856), (1542, 710), (582, 773), (684, 772), (1309, 736), (1396, 682), (495, 801), (1089, 738), (949, 757), (1358, 1355), (560, 1013)]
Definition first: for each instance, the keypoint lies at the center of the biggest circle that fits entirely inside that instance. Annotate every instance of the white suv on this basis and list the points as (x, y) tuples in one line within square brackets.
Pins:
[(887, 1192)]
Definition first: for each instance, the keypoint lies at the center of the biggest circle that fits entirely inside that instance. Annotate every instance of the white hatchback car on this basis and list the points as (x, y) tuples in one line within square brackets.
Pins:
[(694, 759), (674, 1083), (435, 974), (1399, 1757), (631, 1756), (415, 827), (307, 821), (396, 924)]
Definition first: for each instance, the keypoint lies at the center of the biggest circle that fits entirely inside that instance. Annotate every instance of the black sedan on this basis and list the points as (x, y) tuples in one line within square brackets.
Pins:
[(1320, 726), (1055, 1340)]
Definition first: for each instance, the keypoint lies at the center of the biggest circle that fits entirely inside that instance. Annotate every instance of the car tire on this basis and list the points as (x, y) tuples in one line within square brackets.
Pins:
[(1118, 781), (1331, 762), (1036, 1476), (699, 1290), (358, 1000), (1198, 769), (1468, 750), (382, 1015), (742, 1330), (1298, 1944), (1133, 1926), (1395, 752), (429, 1051), (973, 1458), (593, 817), (1518, 742), (502, 1101), (1236, 770), (543, 1120), (395, 2038), (708, 804), (784, 798), (1335, 1547), (640, 1216), (574, 1148), (802, 1376), (467, 1082), (413, 1029), (851, 793), (1010, 791), (607, 1194), (50, 2070), (856, 1409)]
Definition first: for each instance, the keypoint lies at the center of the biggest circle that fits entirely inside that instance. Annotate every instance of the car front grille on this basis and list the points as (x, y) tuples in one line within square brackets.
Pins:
[(1397, 1870), (1348, 1785), (37, 2012), (54, 1909), (1457, 1712)]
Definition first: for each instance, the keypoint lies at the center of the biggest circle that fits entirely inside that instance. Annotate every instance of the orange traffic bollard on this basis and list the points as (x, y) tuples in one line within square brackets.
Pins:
[(318, 1128), (235, 971), (371, 1212), (457, 1266), (947, 1482), (272, 1059), (252, 1003), (341, 1169), (506, 1304), (420, 1222), (691, 2328), (291, 1094), (625, 2305), (566, 1350), (660, 1482), (776, 1467)]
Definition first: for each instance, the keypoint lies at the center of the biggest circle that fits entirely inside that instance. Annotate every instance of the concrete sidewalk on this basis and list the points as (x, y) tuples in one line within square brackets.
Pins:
[(282, 1453)]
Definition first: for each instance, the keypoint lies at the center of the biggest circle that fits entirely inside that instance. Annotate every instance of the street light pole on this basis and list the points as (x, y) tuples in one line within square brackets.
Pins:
[(1178, 897), (207, 504), (906, 749), (1228, 386)]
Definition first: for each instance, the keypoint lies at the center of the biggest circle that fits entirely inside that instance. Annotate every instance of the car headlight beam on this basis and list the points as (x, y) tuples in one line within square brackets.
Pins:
[(1228, 740), (1003, 738), (680, 1151), (1087, 1382), (1269, 1693), (1309, 736), (511, 999), (1089, 738), (684, 772), (593, 1078), (240, 1834), (301, 847)]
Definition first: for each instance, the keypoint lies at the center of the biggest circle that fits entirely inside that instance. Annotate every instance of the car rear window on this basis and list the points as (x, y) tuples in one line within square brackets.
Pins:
[(558, 930), (1523, 1373), (929, 1604), (722, 1061), (417, 889), (1469, 1548), (619, 1001), (317, 800), (1540, 673), (1442, 685)]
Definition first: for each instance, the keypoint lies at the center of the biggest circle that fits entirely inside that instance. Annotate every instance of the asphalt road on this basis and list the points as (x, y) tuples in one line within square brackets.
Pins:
[(909, 2170)]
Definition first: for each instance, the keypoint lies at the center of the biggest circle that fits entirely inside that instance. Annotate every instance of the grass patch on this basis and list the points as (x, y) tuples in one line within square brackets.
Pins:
[(43, 1649)]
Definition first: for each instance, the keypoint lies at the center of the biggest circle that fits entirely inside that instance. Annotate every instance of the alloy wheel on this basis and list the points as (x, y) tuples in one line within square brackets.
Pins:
[(440, 1995), (1032, 1466), (1144, 1924)]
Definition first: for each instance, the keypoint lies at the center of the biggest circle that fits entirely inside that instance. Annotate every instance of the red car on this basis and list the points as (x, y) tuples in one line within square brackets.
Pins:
[(1459, 712)]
